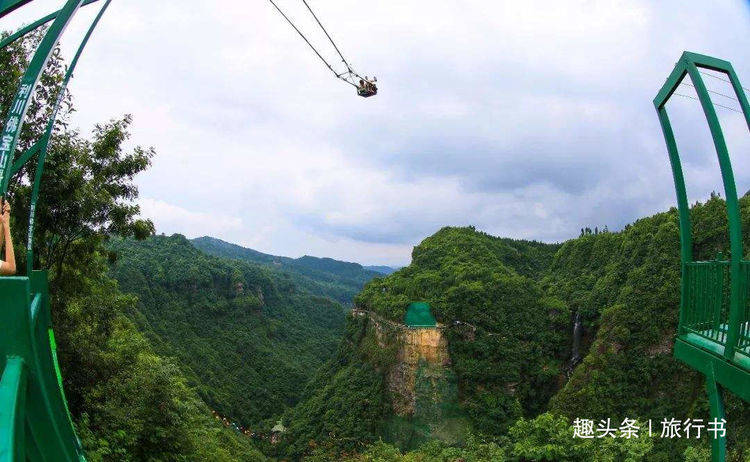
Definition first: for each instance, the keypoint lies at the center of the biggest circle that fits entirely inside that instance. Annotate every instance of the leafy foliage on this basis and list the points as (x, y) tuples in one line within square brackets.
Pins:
[(127, 402), (547, 438), (434, 451), (508, 366), (550, 438), (343, 407), (247, 337), (132, 404)]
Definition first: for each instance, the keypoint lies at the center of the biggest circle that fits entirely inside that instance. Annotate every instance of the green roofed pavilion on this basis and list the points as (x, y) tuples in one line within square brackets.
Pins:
[(419, 314)]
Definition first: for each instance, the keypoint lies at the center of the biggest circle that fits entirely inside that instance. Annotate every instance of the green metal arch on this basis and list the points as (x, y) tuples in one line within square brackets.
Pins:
[(8, 6), (14, 122), (35, 422), (708, 338), (44, 142), (34, 25)]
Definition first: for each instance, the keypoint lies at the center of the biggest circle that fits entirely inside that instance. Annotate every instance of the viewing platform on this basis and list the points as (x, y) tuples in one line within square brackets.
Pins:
[(707, 332), (713, 335)]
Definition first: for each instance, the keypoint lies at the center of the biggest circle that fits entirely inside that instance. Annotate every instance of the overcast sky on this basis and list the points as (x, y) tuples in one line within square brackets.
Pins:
[(527, 119)]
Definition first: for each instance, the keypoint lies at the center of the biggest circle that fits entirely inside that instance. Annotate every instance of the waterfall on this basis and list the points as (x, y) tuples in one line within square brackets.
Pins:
[(575, 356)]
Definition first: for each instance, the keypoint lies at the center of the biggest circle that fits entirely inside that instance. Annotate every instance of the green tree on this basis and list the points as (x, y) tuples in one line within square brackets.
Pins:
[(127, 402), (550, 438)]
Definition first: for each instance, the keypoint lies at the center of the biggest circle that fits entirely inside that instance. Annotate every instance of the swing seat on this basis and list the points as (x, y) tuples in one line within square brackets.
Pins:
[(367, 92)]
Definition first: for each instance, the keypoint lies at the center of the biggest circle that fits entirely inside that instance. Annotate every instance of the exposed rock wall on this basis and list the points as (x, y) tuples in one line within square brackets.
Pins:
[(418, 348), (422, 347), (420, 381)]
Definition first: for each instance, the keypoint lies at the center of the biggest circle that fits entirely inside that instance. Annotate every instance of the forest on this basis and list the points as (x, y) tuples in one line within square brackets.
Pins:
[(624, 285), (245, 336), (327, 277), (158, 335)]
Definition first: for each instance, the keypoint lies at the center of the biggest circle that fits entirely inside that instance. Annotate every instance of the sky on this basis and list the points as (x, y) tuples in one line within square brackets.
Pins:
[(526, 119)]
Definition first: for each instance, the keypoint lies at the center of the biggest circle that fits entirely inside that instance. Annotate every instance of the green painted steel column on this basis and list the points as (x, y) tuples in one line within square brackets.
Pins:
[(48, 431), (14, 122), (686, 239), (683, 207), (732, 203), (12, 411), (7, 6), (716, 404), (44, 142)]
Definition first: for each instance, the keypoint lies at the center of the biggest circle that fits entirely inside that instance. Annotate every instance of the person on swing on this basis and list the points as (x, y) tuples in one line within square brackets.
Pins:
[(8, 265)]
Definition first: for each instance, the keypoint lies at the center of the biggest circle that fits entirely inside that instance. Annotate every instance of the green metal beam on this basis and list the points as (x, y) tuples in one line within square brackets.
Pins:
[(8, 6), (34, 25), (26, 29), (44, 142), (683, 207), (692, 60), (669, 87), (730, 376), (16, 114), (23, 158), (49, 431), (716, 405)]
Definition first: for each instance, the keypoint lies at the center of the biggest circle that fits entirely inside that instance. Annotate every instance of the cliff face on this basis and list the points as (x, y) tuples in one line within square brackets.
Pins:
[(418, 348), (426, 343), (420, 383)]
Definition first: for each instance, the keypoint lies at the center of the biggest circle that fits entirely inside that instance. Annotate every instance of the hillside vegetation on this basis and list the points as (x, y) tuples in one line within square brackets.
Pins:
[(627, 286), (247, 336), (507, 342), (508, 309), (128, 403), (509, 367)]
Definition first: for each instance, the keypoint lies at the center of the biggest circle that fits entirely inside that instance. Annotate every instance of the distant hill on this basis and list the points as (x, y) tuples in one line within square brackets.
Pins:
[(381, 269), (327, 277)]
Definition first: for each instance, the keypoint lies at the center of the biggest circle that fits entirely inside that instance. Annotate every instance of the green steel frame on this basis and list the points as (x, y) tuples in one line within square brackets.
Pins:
[(714, 327), (35, 423)]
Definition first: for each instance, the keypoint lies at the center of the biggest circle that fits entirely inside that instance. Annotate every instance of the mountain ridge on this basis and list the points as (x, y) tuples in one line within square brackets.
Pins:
[(325, 276)]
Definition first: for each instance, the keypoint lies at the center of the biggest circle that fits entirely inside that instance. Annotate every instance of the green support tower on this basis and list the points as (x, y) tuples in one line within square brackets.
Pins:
[(35, 423), (713, 336)]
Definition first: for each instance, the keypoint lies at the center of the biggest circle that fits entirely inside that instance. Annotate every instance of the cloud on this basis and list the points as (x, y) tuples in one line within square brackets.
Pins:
[(527, 119), (170, 218)]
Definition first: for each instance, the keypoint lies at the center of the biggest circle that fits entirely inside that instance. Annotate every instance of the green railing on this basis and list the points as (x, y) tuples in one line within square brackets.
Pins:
[(743, 339), (34, 420), (705, 312), (705, 315)]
